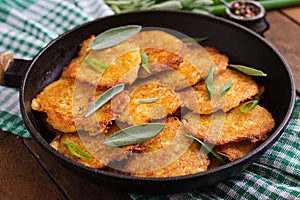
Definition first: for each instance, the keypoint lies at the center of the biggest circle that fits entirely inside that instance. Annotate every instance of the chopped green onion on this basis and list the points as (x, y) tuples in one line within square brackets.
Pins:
[(95, 64), (226, 87), (145, 63), (76, 151), (209, 82), (207, 148), (248, 106)]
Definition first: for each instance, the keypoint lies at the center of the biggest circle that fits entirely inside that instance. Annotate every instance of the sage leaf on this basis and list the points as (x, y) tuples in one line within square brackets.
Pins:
[(207, 148), (226, 87), (145, 63), (95, 64), (76, 151), (248, 70), (105, 97), (134, 134), (248, 106), (114, 36), (187, 40), (209, 82)]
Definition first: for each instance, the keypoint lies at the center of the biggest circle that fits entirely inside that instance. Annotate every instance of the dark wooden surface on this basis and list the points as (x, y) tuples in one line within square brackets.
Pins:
[(28, 172)]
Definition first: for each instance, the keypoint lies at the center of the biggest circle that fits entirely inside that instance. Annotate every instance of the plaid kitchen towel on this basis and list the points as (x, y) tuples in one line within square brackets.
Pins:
[(28, 25)]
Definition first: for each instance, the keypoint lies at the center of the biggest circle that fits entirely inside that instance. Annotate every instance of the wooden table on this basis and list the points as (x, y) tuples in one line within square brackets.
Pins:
[(28, 172)]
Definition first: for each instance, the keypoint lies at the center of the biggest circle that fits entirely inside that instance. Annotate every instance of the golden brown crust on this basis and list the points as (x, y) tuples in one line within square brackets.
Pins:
[(164, 51), (233, 126), (122, 63), (242, 88), (235, 150), (168, 154), (128, 108), (195, 67), (66, 101)]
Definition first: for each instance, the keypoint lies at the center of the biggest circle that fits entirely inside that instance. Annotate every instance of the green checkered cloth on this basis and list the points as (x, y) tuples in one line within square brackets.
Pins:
[(28, 25)]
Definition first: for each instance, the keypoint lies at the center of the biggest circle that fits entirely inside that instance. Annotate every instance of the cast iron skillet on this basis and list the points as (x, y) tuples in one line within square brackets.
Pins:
[(241, 45)]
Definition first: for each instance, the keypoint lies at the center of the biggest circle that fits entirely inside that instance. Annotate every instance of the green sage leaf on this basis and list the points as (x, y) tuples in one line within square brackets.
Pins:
[(248, 70), (145, 63), (76, 151), (187, 40), (114, 36), (209, 82), (226, 87), (249, 105), (105, 97), (207, 148), (134, 134), (95, 64)]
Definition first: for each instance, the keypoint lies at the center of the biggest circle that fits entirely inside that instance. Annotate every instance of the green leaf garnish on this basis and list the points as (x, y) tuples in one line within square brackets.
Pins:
[(187, 40), (209, 82), (226, 87), (248, 70), (114, 36), (76, 151), (105, 97), (249, 105), (134, 134), (145, 63), (95, 64), (151, 100), (207, 148)]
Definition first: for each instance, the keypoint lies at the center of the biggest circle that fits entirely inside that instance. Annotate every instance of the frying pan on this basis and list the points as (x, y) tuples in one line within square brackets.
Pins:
[(240, 44)]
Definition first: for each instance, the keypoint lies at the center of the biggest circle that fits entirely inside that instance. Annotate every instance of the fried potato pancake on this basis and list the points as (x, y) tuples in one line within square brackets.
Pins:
[(145, 101), (66, 101), (235, 150), (195, 67), (122, 63), (164, 51), (242, 88), (101, 154), (221, 128), (168, 154)]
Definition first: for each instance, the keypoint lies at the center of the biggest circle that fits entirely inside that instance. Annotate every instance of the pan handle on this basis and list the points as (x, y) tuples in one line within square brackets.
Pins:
[(12, 70)]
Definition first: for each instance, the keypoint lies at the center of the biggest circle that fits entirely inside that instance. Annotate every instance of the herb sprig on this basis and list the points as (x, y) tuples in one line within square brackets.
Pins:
[(105, 97), (114, 36), (134, 134)]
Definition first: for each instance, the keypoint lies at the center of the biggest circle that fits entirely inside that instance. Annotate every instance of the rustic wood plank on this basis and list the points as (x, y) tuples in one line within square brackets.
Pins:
[(3, 134), (72, 185), (284, 34), (21, 177), (293, 13)]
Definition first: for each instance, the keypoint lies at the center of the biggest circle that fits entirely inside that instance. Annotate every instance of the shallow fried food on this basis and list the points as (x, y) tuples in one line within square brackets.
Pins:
[(242, 88), (164, 51), (233, 126), (168, 154), (100, 154), (235, 150), (195, 67), (66, 101), (145, 101), (122, 63)]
